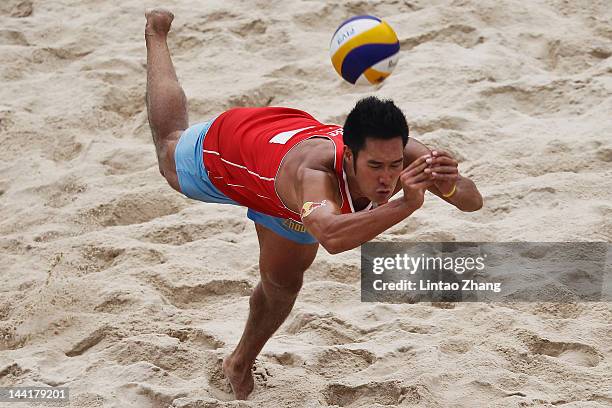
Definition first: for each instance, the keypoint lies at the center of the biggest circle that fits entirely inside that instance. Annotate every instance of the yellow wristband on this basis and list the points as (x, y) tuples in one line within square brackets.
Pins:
[(453, 191)]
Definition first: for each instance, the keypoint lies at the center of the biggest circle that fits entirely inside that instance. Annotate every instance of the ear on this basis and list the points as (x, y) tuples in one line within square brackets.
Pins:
[(348, 155), (349, 159)]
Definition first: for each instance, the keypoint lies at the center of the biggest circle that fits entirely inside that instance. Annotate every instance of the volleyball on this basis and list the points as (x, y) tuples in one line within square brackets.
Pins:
[(364, 50)]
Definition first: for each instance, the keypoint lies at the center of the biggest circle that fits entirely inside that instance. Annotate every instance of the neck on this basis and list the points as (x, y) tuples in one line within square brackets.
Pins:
[(360, 201)]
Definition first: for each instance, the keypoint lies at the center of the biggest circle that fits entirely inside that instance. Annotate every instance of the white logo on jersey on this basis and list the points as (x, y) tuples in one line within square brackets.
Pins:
[(283, 137), (336, 132)]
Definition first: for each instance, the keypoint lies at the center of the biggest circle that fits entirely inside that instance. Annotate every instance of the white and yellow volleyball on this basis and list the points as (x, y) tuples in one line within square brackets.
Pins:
[(364, 50)]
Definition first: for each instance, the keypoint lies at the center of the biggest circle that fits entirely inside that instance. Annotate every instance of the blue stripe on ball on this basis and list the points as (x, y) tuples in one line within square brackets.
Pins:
[(363, 57), (364, 17)]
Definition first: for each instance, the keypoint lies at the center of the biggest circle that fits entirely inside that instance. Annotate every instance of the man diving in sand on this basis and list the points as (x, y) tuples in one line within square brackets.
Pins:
[(304, 183)]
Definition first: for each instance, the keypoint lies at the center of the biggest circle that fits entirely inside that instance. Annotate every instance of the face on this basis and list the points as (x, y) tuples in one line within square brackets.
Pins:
[(378, 167)]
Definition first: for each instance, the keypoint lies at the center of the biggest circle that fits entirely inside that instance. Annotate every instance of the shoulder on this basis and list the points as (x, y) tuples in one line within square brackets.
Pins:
[(315, 175), (318, 153)]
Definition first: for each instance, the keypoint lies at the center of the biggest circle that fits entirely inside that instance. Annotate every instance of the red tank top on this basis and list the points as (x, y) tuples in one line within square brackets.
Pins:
[(244, 148)]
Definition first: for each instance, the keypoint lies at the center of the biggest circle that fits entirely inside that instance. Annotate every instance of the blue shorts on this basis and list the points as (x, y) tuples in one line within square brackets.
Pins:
[(195, 184)]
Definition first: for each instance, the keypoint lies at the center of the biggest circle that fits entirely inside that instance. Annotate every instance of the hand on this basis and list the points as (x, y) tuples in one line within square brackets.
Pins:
[(415, 181), (443, 170)]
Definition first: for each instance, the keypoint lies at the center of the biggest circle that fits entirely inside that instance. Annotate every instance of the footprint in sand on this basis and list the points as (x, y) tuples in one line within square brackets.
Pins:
[(179, 234), (12, 37), (384, 393), (10, 374), (293, 71), (91, 340), (112, 70), (16, 8), (571, 353), (462, 35), (183, 42), (145, 395), (208, 21), (196, 337), (341, 272), (57, 59), (455, 346), (163, 351), (132, 208), (196, 296), (59, 193), (262, 95), (560, 96), (286, 358), (327, 329), (127, 161), (428, 125), (340, 362), (567, 56), (139, 256), (126, 102), (398, 325), (95, 258), (9, 339), (327, 15), (61, 149), (118, 302), (250, 28), (322, 18), (201, 30)]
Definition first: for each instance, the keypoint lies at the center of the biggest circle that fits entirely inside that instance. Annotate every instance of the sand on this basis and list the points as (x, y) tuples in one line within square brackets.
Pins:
[(118, 287)]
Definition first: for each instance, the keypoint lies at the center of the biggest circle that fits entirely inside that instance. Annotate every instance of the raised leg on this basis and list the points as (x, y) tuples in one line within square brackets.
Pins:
[(281, 264), (166, 101)]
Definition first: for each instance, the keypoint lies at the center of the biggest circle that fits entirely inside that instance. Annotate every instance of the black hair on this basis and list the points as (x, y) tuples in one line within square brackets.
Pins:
[(376, 118)]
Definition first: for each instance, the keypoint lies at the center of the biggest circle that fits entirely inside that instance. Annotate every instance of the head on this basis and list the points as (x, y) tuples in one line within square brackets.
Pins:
[(375, 134)]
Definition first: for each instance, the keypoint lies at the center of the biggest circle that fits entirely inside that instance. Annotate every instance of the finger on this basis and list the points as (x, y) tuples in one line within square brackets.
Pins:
[(438, 153), (443, 169), (422, 185), (445, 177), (415, 179), (415, 170), (444, 160), (418, 162)]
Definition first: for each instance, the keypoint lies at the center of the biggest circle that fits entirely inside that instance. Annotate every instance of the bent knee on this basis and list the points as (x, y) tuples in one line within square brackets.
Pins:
[(304, 262), (282, 290)]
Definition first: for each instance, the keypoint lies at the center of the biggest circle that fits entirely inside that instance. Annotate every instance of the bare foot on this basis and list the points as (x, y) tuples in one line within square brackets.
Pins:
[(241, 380), (158, 22)]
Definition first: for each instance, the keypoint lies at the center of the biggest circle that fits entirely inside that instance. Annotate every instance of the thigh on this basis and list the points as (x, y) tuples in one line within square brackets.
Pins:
[(167, 161), (282, 262)]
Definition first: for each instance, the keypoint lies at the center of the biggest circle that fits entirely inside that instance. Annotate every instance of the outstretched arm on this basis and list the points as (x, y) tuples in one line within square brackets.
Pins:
[(338, 232), (447, 184)]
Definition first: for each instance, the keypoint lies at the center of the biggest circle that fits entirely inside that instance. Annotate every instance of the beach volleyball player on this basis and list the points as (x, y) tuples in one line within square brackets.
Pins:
[(305, 183)]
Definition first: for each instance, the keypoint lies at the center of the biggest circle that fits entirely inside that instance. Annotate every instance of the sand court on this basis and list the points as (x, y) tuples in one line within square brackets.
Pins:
[(130, 294)]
